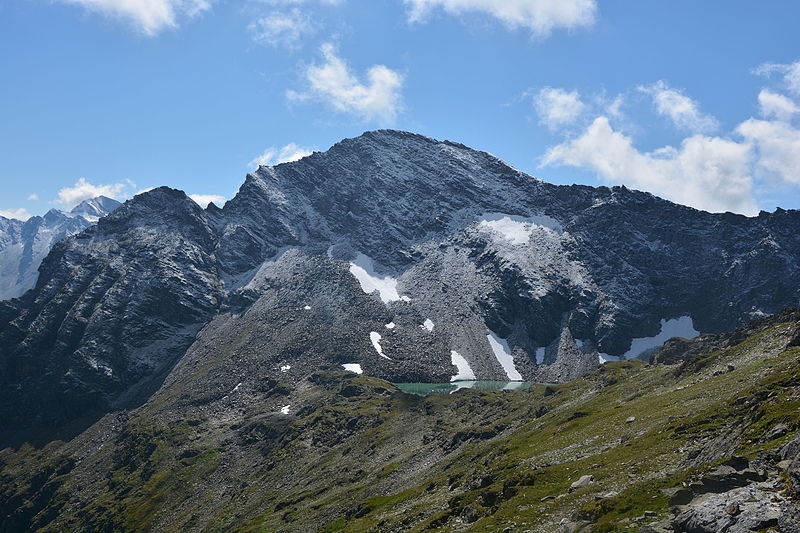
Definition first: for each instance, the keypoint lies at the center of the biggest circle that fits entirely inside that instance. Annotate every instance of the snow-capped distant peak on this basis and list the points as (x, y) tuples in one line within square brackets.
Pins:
[(95, 208)]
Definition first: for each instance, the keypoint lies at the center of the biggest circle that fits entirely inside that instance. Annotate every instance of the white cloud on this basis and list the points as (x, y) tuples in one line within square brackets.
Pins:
[(614, 108), (778, 145), (682, 110), (707, 173), (69, 197), (148, 16), (557, 107), (204, 199), (19, 214), (296, 2), (790, 73), (332, 82), (33, 196), (776, 105), (281, 28), (539, 16), (275, 156)]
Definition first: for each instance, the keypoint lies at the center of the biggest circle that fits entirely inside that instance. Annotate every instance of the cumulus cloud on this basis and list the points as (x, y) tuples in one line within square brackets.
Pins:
[(204, 199), (790, 73), (148, 16), (275, 156), (281, 28), (558, 108), (69, 197), (774, 105), (680, 109), (541, 17), (708, 173), (19, 214), (778, 146), (332, 82)]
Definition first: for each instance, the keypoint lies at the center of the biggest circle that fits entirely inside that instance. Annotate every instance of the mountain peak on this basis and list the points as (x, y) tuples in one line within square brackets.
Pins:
[(504, 265), (95, 208)]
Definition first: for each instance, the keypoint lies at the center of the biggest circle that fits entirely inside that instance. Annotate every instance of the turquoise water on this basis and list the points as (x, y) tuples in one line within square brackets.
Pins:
[(424, 389)]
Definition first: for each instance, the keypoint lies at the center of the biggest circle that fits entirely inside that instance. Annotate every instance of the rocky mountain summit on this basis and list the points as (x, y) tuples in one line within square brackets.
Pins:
[(23, 245), (407, 258)]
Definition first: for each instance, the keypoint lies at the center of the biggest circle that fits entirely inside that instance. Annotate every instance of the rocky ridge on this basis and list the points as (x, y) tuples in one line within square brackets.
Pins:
[(23, 245), (392, 251)]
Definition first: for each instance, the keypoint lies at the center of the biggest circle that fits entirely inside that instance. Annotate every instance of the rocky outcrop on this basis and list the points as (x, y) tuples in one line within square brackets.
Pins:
[(114, 306), (735, 498)]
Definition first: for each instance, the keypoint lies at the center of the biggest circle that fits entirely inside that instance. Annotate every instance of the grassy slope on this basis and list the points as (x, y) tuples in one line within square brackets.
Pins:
[(358, 456)]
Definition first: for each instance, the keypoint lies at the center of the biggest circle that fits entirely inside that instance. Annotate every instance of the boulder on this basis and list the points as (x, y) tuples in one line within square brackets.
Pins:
[(583, 481)]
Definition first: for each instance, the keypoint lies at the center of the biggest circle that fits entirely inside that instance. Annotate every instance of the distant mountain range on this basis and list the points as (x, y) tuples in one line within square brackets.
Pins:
[(23, 245), (404, 257)]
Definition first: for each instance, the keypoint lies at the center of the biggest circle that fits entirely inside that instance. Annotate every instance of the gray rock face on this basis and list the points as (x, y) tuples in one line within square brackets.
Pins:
[(114, 305), (476, 264), (740, 510), (23, 245), (734, 498)]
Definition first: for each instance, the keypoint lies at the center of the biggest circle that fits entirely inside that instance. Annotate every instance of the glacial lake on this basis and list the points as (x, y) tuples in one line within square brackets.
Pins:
[(424, 389)]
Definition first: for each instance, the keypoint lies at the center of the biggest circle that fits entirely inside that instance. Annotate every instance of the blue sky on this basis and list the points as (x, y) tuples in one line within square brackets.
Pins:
[(694, 101)]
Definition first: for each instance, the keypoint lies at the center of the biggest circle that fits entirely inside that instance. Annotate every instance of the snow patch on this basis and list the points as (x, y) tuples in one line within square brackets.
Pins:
[(675, 327), (390, 325), (516, 229), (353, 367), (464, 373), (307, 308), (539, 356), (375, 337), (285, 368), (236, 387), (462, 385), (428, 324), (285, 409), (363, 269), (503, 354)]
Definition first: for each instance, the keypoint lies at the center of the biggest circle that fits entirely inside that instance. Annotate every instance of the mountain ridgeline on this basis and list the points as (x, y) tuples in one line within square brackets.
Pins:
[(23, 245), (415, 259)]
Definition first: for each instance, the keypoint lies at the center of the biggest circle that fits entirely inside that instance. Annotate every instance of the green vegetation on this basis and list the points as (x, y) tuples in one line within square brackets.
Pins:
[(358, 455)]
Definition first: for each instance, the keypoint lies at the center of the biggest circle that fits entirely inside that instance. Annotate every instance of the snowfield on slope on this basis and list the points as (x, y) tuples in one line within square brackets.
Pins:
[(503, 354), (363, 268), (464, 373)]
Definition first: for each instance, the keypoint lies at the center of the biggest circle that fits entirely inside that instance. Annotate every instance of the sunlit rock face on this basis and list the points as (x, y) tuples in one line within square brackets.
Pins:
[(388, 253), (23, 245)]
